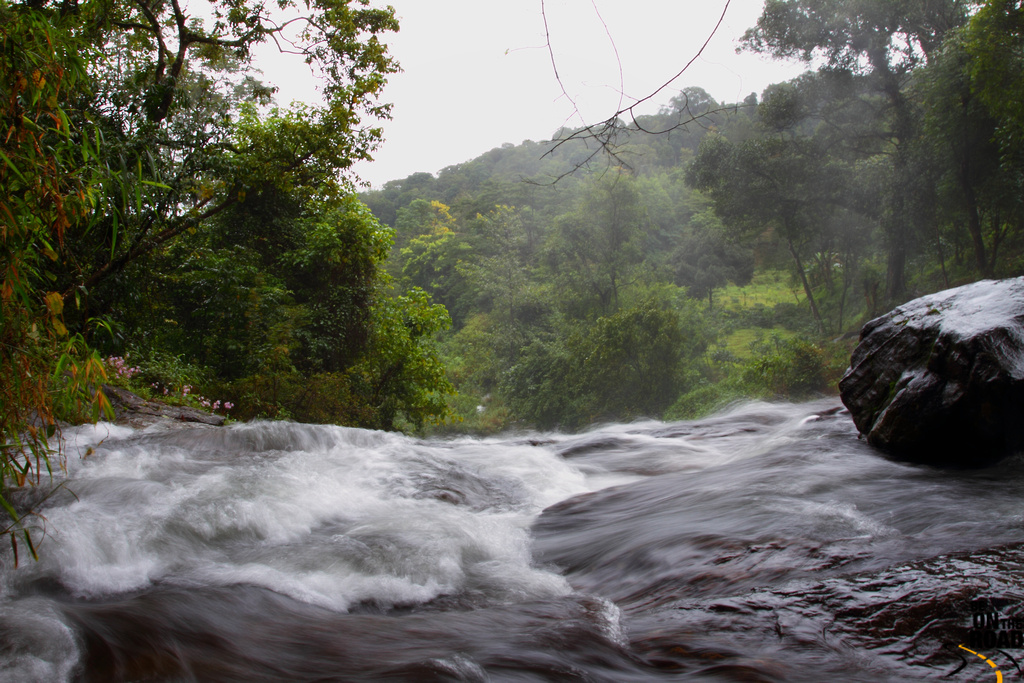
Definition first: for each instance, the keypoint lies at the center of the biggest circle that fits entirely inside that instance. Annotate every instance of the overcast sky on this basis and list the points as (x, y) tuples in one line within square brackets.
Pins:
[(477, 73)]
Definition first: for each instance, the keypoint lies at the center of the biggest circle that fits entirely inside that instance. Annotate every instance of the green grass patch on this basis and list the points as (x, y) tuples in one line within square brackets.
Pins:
[(767, 288), (738, 342)]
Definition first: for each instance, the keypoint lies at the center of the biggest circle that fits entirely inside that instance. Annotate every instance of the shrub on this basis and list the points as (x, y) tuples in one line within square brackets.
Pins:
[(793, 368)]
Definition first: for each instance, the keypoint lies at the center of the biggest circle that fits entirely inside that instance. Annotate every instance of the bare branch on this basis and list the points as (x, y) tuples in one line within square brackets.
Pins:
[(605, 132), (618, 60), (672, 80), (554, 64)]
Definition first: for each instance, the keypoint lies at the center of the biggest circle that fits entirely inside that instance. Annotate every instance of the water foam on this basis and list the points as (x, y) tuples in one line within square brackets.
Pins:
[(327, 515)]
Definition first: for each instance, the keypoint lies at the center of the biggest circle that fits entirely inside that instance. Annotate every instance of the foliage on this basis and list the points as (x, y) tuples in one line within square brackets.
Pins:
[(777, 367), (769, 182), (794, 368), (404, 378), (974, 126), (876, 44), (706, 259), (220, 235), (180, 135), (595, 251), (46, 372), (992, 39), (433, 255), (630, 364), (892, 169)]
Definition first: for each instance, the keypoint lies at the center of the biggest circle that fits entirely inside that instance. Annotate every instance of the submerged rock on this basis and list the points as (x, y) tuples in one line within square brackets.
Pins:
[(940, 379)]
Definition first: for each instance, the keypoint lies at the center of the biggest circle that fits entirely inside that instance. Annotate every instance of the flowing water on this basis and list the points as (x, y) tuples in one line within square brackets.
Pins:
[(767, 543)]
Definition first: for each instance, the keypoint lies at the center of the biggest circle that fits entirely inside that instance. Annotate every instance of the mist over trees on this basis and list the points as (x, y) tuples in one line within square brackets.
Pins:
[(889, 169)]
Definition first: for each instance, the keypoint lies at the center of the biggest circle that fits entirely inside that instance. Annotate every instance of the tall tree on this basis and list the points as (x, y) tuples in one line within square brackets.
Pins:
[(706, 259), (880, 39), (181, 138), (963, 140), (993, 40), (595, 250), (771, 184)]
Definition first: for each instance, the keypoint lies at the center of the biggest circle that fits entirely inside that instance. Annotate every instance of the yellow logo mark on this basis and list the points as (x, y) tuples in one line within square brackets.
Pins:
[(999, 674)]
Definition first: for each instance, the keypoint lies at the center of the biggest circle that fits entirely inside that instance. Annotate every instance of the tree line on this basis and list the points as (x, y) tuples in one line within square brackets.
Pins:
[(573, 268)]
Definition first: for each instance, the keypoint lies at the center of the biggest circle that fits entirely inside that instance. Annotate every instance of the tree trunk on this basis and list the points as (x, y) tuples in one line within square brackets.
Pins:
[(999, 229), (898, 222), (942, 256), (896, 269), (974, 221), (806, 284)]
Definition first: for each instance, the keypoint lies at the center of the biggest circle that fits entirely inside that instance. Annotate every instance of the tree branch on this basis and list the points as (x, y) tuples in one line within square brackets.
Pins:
[(154, 28), (606, 131), (144, 246)]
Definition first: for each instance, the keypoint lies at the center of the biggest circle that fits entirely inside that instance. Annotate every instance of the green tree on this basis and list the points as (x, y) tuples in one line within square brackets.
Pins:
[(333, 272), (883, 41), (501, 278), (768, 183), (422, 217), (432, 255), (993, 39), (633, 363), (402, 378), (594, 251), (180, 137), (324, 338), (706, 258), (962, 136), (990, 53)]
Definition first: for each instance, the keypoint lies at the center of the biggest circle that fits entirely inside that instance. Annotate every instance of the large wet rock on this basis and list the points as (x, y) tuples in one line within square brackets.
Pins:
[(941, 378), (132, 410)]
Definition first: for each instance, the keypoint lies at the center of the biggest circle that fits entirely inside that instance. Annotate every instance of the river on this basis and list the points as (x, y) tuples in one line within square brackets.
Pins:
[(766, 543)]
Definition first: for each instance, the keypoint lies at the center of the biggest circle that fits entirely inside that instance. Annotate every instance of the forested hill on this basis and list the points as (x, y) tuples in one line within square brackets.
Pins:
[(519, 173), (586, 279), (664, 265)]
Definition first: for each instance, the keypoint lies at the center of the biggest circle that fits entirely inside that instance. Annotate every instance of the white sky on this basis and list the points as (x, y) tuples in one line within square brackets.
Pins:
[(476, 73)]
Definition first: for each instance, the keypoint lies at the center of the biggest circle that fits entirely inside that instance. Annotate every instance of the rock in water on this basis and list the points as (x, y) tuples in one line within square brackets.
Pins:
[(134, 411), (941, 378)]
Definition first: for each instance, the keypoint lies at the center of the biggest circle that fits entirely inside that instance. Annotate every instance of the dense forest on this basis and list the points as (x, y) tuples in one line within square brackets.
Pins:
[(167, 226), (666, 264)]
